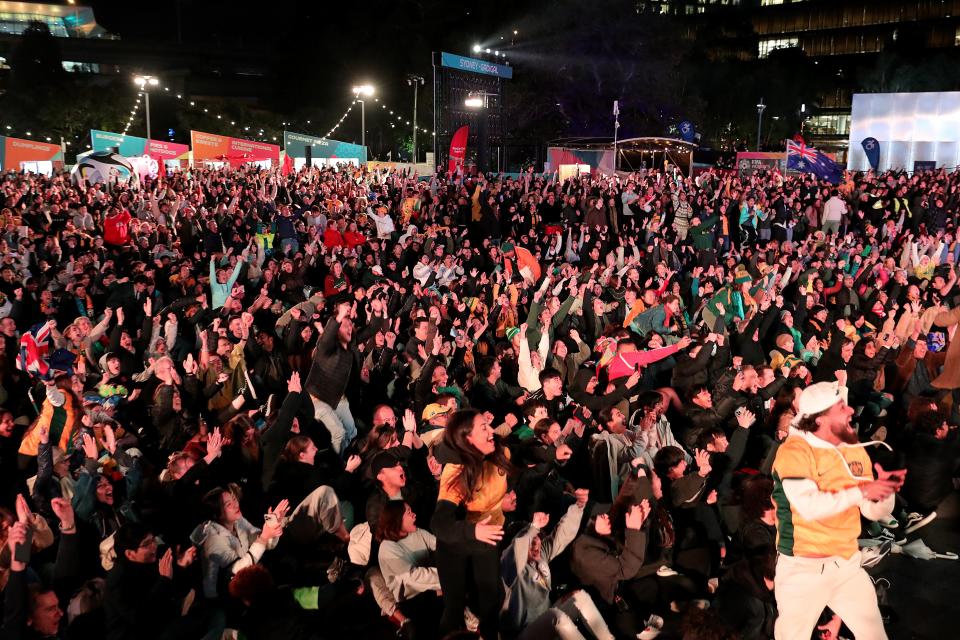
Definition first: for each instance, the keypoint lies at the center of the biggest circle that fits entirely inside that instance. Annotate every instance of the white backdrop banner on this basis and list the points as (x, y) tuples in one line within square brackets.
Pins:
[(911, 127)]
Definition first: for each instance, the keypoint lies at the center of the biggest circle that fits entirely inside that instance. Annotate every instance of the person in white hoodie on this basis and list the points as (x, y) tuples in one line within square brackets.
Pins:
[(531, 363), (385, 224), (525, 570), (228, 541), (823, 485)]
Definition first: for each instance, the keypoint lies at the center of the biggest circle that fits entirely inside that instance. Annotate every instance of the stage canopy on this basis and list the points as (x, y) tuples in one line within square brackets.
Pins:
[(633, 154)]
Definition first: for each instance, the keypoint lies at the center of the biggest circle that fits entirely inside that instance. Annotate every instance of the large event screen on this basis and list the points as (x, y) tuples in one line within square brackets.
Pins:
[(911, 127)]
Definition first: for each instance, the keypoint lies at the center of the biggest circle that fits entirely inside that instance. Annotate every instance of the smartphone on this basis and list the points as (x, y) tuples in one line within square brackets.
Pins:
[(21, 552)]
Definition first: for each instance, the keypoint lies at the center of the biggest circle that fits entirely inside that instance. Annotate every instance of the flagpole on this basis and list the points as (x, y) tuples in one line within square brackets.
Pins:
[(616, 127)]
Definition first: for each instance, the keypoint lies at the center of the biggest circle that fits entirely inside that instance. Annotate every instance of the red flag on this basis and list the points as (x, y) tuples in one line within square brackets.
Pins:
[(287, 167), (458, 148)]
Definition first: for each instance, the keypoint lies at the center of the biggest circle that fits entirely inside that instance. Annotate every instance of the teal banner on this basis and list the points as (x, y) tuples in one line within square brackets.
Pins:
[(107, 141), (295, 144), (474, 65)]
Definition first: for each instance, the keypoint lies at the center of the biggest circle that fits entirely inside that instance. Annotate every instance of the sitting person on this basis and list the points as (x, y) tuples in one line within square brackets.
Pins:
[(406, 562), (525, 570)]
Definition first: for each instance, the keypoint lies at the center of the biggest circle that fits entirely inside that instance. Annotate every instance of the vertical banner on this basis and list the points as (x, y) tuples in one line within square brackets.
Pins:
[(871, 147), (458, 149)]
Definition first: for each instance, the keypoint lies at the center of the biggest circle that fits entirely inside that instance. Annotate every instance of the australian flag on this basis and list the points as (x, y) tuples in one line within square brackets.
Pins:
[(806, 159)]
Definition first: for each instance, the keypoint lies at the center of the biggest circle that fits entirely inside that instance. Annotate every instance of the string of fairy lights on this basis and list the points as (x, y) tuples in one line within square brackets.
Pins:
[(393, 118), (133, 113)]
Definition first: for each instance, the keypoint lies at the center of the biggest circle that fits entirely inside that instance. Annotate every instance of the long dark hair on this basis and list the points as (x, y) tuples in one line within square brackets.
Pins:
[(459, 426), (783, 403), (390, 525)]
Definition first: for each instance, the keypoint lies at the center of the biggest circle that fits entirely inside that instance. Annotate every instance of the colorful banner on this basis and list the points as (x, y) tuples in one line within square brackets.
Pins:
[(474, 65), (750, 161), (458, 149), (235, 151), (601, 159), (13, 151), (131, 146), (295, 144)]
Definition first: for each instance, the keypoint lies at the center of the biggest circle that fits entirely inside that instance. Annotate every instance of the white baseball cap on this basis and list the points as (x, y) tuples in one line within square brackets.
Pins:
[(819, 397)]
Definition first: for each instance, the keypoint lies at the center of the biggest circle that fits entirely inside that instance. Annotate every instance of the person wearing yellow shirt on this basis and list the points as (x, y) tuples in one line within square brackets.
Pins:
[(823, 483), (468, 520)]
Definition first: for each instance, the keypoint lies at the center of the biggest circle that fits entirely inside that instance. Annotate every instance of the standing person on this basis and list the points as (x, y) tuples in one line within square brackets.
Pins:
[(327, 381), (833, 212), (822, 484), (116, 227), (468, 521)]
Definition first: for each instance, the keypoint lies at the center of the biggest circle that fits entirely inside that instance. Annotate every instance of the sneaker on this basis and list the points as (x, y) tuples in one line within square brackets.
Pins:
[(890, 523), (335, 570), (884, 534), (871, 556), (666, 572), (652, 628), (921, 522)]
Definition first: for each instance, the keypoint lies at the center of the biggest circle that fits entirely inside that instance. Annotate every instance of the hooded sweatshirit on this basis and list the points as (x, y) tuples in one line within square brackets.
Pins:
[(818, 497)]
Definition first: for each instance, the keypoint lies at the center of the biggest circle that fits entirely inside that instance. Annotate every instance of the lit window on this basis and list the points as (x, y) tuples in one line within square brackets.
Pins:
[(766, 46)]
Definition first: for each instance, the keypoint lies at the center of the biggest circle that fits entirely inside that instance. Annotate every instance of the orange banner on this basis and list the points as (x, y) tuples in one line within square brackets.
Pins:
[(16, 150), (235, 151)]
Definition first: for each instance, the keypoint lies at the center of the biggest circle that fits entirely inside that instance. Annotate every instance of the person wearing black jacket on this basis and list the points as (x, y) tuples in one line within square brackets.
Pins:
[(745, 598), (752, 333), (33, 612), (142, 599), (932, 453), (333, 363)]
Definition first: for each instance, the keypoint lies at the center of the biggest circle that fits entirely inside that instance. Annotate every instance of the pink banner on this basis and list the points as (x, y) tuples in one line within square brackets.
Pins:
[(160, 150)]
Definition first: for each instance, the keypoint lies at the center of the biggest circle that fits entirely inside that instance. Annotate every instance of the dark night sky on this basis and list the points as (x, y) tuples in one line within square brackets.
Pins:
[(327, 45)]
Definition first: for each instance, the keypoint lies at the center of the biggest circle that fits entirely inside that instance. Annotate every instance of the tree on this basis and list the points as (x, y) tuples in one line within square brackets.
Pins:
[(35, 62)]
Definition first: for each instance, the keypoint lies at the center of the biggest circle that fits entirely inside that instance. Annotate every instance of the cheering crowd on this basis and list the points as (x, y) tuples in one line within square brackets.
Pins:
[(237, 403)]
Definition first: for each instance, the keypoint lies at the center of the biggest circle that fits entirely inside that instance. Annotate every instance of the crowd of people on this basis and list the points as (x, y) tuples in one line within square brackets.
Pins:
[(239, 403)]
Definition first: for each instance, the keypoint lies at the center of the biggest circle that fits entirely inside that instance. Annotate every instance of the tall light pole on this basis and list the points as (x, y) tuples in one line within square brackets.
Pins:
[(363, 90), (415, 81), (760, 108), (145, 82)]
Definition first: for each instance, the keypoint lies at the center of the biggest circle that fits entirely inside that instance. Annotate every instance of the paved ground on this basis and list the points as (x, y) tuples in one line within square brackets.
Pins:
[(925, 594)]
